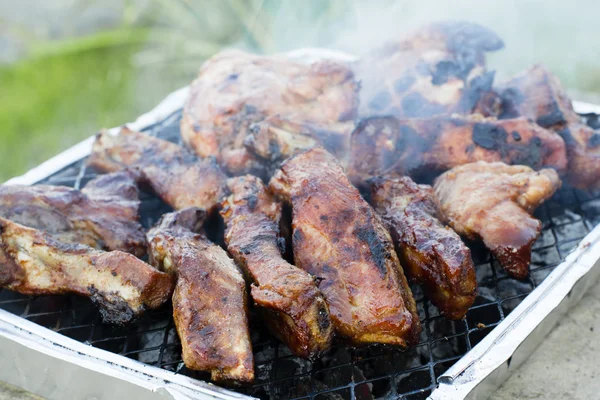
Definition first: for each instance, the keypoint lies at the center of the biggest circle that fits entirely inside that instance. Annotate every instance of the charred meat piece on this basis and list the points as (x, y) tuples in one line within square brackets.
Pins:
[(276, 139), (209, 302), (239, 95), (538, 95), (103, 215), (177, 176), (292, 304), (122, 286), (386, 145), (439, 69), (493, 202), (583, 149), (339, 238), (431, 254)]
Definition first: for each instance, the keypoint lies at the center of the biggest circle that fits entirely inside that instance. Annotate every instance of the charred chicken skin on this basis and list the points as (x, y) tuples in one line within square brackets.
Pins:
[(293, 305), (431, 254), (249, 110), (103, 215), (209, 301), (386, 145), (537, 94), (439, 69), (177, 176), (339, 238), (493, 202), (122, 286)]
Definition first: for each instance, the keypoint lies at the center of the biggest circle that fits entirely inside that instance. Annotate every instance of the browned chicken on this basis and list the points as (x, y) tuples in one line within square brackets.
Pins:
[(104, 215), (241, 101), (386, 145), (439, 69), (209, 302), (293, 306), (537, 94), (122, 286), (431, 254), (493, 202), (339, 238), (177, 176)]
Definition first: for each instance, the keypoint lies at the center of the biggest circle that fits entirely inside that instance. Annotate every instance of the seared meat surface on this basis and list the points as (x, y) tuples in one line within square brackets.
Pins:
[(249, 110), (177, 176), (431, 253), (293, 306), (122, 286), (103, 215), (493, 202), (339, 238), (387, 145), (209, 301), (537, 94), (439, 69)]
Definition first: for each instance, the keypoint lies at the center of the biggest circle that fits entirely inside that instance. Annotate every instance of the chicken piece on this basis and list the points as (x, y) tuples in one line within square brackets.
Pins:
[(238, 95), (177, 176), (120, 285), (339, 238), (292, 304), (103, 215), (439, 69), (209, 301), (538, 95), (583, 149), (432, 254), (386, 145), (493, 202)]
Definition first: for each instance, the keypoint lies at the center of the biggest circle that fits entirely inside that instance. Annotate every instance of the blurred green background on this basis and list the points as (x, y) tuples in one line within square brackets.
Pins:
[(71, 67)]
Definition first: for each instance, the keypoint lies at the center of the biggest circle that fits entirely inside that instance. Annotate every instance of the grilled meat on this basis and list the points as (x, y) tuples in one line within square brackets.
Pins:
[(583, 149), (431, 254), (493, 202), (386, 145), (538, 95), (177, 176), (103, 215), (293, 306), (34, 263), (439, 69), (209, 302), (338, 238), (239, 100)]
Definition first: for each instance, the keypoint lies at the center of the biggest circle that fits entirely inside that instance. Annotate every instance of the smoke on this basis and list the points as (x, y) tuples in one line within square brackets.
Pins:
[(558, 34)]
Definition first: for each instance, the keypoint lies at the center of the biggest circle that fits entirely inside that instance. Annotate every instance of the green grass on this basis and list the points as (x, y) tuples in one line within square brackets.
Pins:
[(50, 103)]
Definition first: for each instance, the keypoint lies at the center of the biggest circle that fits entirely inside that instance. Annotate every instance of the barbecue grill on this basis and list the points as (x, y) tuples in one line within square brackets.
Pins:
[(58, 347)]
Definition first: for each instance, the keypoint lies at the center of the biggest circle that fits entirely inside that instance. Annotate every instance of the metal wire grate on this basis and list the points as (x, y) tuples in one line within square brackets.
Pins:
[(343, 373)]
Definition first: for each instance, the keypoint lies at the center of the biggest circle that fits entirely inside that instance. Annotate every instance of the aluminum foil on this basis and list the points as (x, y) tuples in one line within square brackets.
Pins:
[(57, 367)]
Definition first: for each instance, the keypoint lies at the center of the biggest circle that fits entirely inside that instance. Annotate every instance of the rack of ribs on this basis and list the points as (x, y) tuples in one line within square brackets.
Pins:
[(103, 215), (122, 286), (339, 238), (291, 302), (209, 302), (431, 253), (177, 176)]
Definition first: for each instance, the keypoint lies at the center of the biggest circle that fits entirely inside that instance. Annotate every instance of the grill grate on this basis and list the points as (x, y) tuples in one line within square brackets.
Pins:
[(343, 373)]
